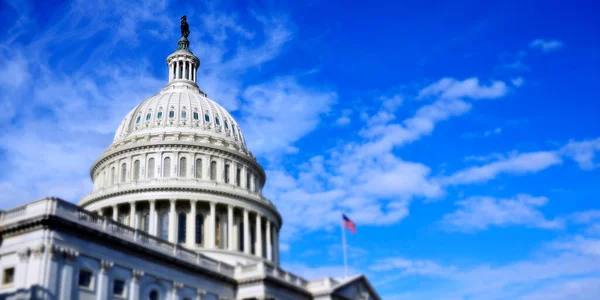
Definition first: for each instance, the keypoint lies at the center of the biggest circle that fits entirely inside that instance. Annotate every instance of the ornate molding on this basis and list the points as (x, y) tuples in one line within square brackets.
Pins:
[(177, 286), (137, 274), (24, 254), (105, 265)]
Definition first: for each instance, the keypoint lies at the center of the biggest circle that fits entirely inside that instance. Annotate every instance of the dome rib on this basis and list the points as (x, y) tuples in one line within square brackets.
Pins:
[(175, 100)]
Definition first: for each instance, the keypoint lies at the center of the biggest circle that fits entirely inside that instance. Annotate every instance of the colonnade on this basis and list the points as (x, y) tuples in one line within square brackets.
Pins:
[(183, 68), (218, 226), (177, 164)]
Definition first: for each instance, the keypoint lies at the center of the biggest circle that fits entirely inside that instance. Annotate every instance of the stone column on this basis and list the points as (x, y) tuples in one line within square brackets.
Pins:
[(190, 70), (268, 237), (221, 170), (103, 284), (246, 232), (252, 181), (134, 290), (172, 222), (67, 279), (243, 175), (171, 71), (276, 246), (101, 212), (258, 246), (191, 237), (115, 215), (175, 290), (132, 215), (230, 227), (22, 268), (152, 218), (211, 231)]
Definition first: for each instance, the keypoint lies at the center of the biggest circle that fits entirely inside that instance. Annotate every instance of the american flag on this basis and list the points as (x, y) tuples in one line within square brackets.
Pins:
[(348, 223)]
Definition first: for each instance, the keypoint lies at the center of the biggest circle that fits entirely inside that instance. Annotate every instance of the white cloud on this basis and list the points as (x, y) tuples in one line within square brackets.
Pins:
[(583, 152), (562, 270), (520, 163), (517, 81), (344, 119), (366, 178), (546, 45), (452, 88), (279, 112), (479, 213)]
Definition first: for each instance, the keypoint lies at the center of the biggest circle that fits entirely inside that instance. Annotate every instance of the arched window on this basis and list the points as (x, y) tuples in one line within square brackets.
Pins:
[(159, 115), (184, 114), (226, 173), (218, 232), (154, 295), (171, 114), (123, 172), (226, 125), (213, 170), (198, 168), (241, 237), (150, 168), (196, 116), (139, 118), (148, 116), (238, 175), (164, 226), (206, 118), (199, 228), (113, 174), (136, 170), (145, 226), (167, 167), (182, 167), (218, 120), (181, 228)]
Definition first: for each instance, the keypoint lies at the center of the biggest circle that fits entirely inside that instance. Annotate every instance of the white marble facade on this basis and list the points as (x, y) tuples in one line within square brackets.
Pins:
[(176, 212)]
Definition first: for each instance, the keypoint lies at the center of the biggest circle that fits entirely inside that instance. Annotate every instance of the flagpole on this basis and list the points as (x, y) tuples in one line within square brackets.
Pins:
[(344, 247)]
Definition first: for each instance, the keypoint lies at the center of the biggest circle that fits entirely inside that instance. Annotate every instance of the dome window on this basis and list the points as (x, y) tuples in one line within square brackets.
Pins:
[(196, 116), (218, 121), (159, 115), (183, 114), (172, 114), (226, 125), (137, 121), (148, 116), (206, 118)]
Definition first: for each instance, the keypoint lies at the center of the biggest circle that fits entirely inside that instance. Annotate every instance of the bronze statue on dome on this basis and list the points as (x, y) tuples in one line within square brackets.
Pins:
[(185, 28)]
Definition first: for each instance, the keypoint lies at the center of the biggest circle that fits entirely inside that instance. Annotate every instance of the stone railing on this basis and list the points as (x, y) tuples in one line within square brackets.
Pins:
[(262, 269), (176, 182), (74, 213)]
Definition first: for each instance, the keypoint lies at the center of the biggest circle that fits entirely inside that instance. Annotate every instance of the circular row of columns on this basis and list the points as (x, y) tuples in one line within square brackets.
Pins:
[(271, 235), (178, 66)]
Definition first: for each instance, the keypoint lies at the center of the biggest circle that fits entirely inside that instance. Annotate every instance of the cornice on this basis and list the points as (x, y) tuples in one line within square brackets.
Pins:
[(164, 188)]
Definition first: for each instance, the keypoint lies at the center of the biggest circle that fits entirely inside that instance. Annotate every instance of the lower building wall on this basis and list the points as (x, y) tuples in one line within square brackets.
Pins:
[(51, 265)]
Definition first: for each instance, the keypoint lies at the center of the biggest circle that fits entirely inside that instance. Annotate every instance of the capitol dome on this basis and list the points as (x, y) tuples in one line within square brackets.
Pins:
[(182, 109), (179, 170)]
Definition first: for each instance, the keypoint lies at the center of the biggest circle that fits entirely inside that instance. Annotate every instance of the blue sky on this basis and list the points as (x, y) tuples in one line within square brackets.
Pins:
[(461, 137)]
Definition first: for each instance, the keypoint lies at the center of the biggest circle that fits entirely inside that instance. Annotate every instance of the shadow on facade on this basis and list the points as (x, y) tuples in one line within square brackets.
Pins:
[(34, 293)]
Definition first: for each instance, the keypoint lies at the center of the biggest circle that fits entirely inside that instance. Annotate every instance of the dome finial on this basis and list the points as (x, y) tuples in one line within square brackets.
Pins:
[(183, 43)]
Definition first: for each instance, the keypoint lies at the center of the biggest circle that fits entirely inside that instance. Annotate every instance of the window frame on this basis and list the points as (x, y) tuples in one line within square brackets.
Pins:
[(90, 285), (123, 295), (4, 272)]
